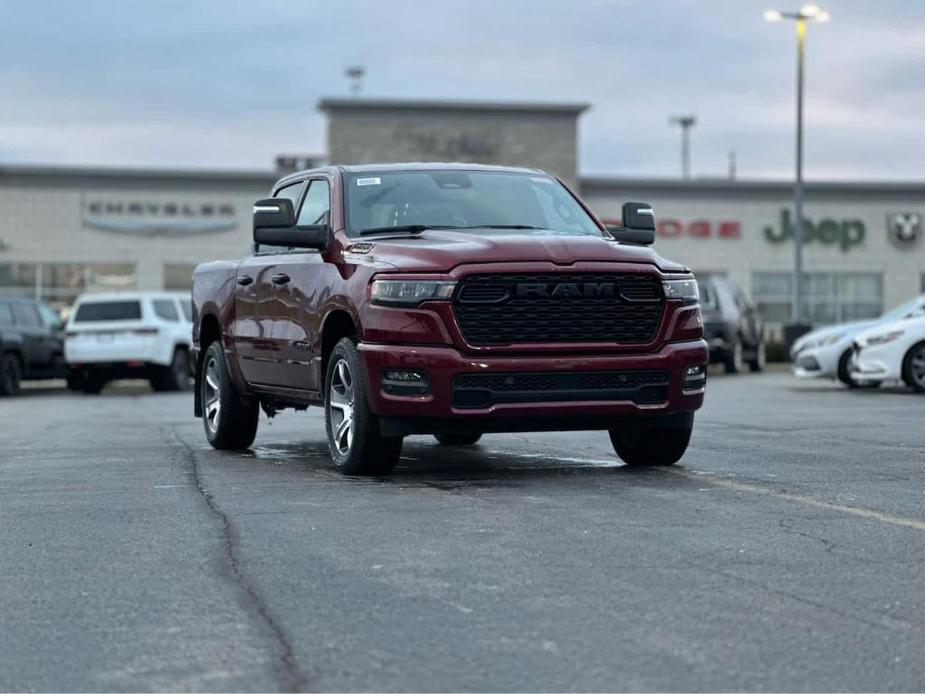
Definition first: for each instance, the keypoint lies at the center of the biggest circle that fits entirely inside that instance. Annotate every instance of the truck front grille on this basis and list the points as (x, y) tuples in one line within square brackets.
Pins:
[(623, 308), (481, 390)]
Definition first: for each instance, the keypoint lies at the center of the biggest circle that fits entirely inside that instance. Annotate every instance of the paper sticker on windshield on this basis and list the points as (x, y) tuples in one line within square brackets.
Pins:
[(372, 181)]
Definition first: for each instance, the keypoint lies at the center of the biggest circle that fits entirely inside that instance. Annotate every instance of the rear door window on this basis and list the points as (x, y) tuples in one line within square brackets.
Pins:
[(108, 310), (26, 315), (166, 309)]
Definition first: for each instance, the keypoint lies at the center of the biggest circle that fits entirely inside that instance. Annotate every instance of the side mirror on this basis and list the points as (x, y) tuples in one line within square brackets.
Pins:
[(274, 225), (638, 224)]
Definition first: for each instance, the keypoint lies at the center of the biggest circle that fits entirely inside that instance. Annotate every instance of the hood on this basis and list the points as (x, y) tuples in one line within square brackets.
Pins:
[(441, 251), (847, 328)]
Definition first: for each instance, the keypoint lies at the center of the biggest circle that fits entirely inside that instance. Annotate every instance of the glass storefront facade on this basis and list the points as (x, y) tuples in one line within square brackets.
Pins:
[(829, 297), (60, 283)]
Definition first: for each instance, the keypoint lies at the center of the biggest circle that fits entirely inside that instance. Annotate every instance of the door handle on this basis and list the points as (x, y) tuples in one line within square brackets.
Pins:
[(281, 278), (245, 280)]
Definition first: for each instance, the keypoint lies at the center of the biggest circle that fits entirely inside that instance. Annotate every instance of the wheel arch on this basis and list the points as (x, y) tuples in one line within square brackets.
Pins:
[(338, 324), (209, 331)]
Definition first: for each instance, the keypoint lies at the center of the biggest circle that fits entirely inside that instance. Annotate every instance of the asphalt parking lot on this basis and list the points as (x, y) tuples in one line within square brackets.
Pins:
[(785, 552)]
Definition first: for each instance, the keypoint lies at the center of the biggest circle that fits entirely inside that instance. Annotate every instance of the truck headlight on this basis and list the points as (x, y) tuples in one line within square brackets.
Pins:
[(681, 289), (409, 292)]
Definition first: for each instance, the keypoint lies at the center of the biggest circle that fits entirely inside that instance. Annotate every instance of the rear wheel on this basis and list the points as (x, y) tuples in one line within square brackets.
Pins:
[(230, 422), (10, 374), (466, 439), (735, 360), (914, 367), (356, 446), (760, 359), (647, 447), (174, 377)]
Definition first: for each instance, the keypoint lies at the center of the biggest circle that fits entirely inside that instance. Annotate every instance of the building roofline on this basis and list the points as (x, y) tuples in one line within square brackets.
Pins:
[(722, 185), (136, 174), (364, 104)]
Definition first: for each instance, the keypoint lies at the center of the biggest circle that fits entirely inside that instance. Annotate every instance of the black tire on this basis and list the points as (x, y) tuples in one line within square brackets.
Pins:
[(466, 439), (844, 373), (354, 441), (914, 367), (647, 447), (734, 360), (92, 384), (10, 374), (173, 378), (230, 422), (760, 361)]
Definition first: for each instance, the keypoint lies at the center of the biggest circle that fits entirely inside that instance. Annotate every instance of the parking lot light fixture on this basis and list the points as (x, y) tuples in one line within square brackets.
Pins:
[(807, 13)]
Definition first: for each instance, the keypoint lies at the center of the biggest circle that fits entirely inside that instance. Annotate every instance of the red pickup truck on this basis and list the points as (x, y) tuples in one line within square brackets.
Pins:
[(453, 300)]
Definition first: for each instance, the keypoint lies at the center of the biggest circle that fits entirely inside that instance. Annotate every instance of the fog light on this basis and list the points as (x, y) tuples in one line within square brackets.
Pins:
[(695, 378), (405, 382)]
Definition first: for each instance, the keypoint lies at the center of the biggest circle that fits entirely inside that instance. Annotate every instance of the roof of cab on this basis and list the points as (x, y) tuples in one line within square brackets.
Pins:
[(405, 166)]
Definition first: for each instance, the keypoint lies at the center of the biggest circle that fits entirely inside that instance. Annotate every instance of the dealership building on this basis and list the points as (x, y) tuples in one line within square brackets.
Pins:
[(68, 230)]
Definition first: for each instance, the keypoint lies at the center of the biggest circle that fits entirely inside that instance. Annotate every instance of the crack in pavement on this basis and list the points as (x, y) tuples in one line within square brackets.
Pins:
[(294, 679)]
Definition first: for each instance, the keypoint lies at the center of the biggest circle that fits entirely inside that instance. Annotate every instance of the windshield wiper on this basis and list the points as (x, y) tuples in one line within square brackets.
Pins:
[(503, 226)]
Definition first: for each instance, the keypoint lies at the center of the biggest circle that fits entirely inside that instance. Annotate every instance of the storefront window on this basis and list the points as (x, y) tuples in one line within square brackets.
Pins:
[(178, 277), (828, 297), (60, 283)]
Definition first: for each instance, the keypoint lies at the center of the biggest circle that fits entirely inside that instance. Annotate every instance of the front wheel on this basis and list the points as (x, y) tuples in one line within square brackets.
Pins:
[(10, 374), (914, 367), (354, 441), (647, 447), (466, 439), (229, 421)]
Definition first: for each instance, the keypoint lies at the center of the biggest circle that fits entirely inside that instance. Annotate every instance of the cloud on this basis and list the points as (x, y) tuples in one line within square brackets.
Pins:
[(196, 83)]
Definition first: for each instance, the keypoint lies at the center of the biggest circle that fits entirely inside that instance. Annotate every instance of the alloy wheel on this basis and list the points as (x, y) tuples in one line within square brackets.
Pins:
[(212, 396), (341, 407)]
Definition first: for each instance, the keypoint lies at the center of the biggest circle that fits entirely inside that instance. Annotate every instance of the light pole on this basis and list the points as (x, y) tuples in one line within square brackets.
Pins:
[(816, 14), (686, 123)]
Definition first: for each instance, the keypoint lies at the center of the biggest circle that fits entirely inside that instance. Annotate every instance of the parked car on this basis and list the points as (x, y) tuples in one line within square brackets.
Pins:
[(826, 352), (732, 326), (31, 343), (891, 351), (129, 335), (447, 299)]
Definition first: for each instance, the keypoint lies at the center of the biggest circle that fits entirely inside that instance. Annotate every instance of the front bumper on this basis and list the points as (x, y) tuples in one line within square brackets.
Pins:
[(817, 362), (440, 409), (875, 363)]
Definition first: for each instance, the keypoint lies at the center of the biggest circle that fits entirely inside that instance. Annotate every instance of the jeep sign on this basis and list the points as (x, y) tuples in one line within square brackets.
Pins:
[(845, 233)]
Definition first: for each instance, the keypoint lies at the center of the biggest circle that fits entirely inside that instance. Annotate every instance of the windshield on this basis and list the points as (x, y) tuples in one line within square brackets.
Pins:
[(462, 199), (905, 309)]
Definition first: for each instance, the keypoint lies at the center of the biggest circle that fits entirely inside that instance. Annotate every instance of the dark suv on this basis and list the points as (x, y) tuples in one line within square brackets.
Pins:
[(732, 325), (31, 343)]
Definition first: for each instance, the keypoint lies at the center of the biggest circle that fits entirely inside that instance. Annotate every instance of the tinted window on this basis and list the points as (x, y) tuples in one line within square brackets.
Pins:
[(317, 206), (166, 309), (187, 310), (292, 193), (26, 315), (108, 310), (6, 313), (463, 199)]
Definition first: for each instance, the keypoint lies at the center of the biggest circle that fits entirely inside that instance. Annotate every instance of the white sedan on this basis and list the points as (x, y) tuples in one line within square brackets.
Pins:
[(826, 352), (891, 351)]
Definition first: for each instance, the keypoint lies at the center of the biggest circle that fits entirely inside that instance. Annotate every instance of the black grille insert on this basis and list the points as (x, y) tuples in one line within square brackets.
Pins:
[(498, 309), (480, 390)]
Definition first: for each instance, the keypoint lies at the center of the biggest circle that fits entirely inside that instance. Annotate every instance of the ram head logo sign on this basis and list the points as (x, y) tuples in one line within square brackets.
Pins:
[(904, 228)]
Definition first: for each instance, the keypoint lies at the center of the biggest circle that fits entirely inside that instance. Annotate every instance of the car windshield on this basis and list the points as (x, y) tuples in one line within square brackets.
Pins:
[(905, 309), (414, 200), (107, 310)]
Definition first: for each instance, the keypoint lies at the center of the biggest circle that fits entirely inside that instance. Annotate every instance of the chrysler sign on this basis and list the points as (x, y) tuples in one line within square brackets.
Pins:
[(158, 217)]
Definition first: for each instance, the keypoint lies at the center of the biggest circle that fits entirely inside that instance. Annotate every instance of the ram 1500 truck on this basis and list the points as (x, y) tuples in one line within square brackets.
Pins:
[(453, 300)]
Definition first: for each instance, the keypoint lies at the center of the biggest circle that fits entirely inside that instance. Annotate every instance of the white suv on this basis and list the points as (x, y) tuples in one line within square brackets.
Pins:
[(129, 335)]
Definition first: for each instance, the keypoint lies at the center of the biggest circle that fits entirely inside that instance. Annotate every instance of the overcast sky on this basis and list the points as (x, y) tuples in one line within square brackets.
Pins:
[(231, 84)]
